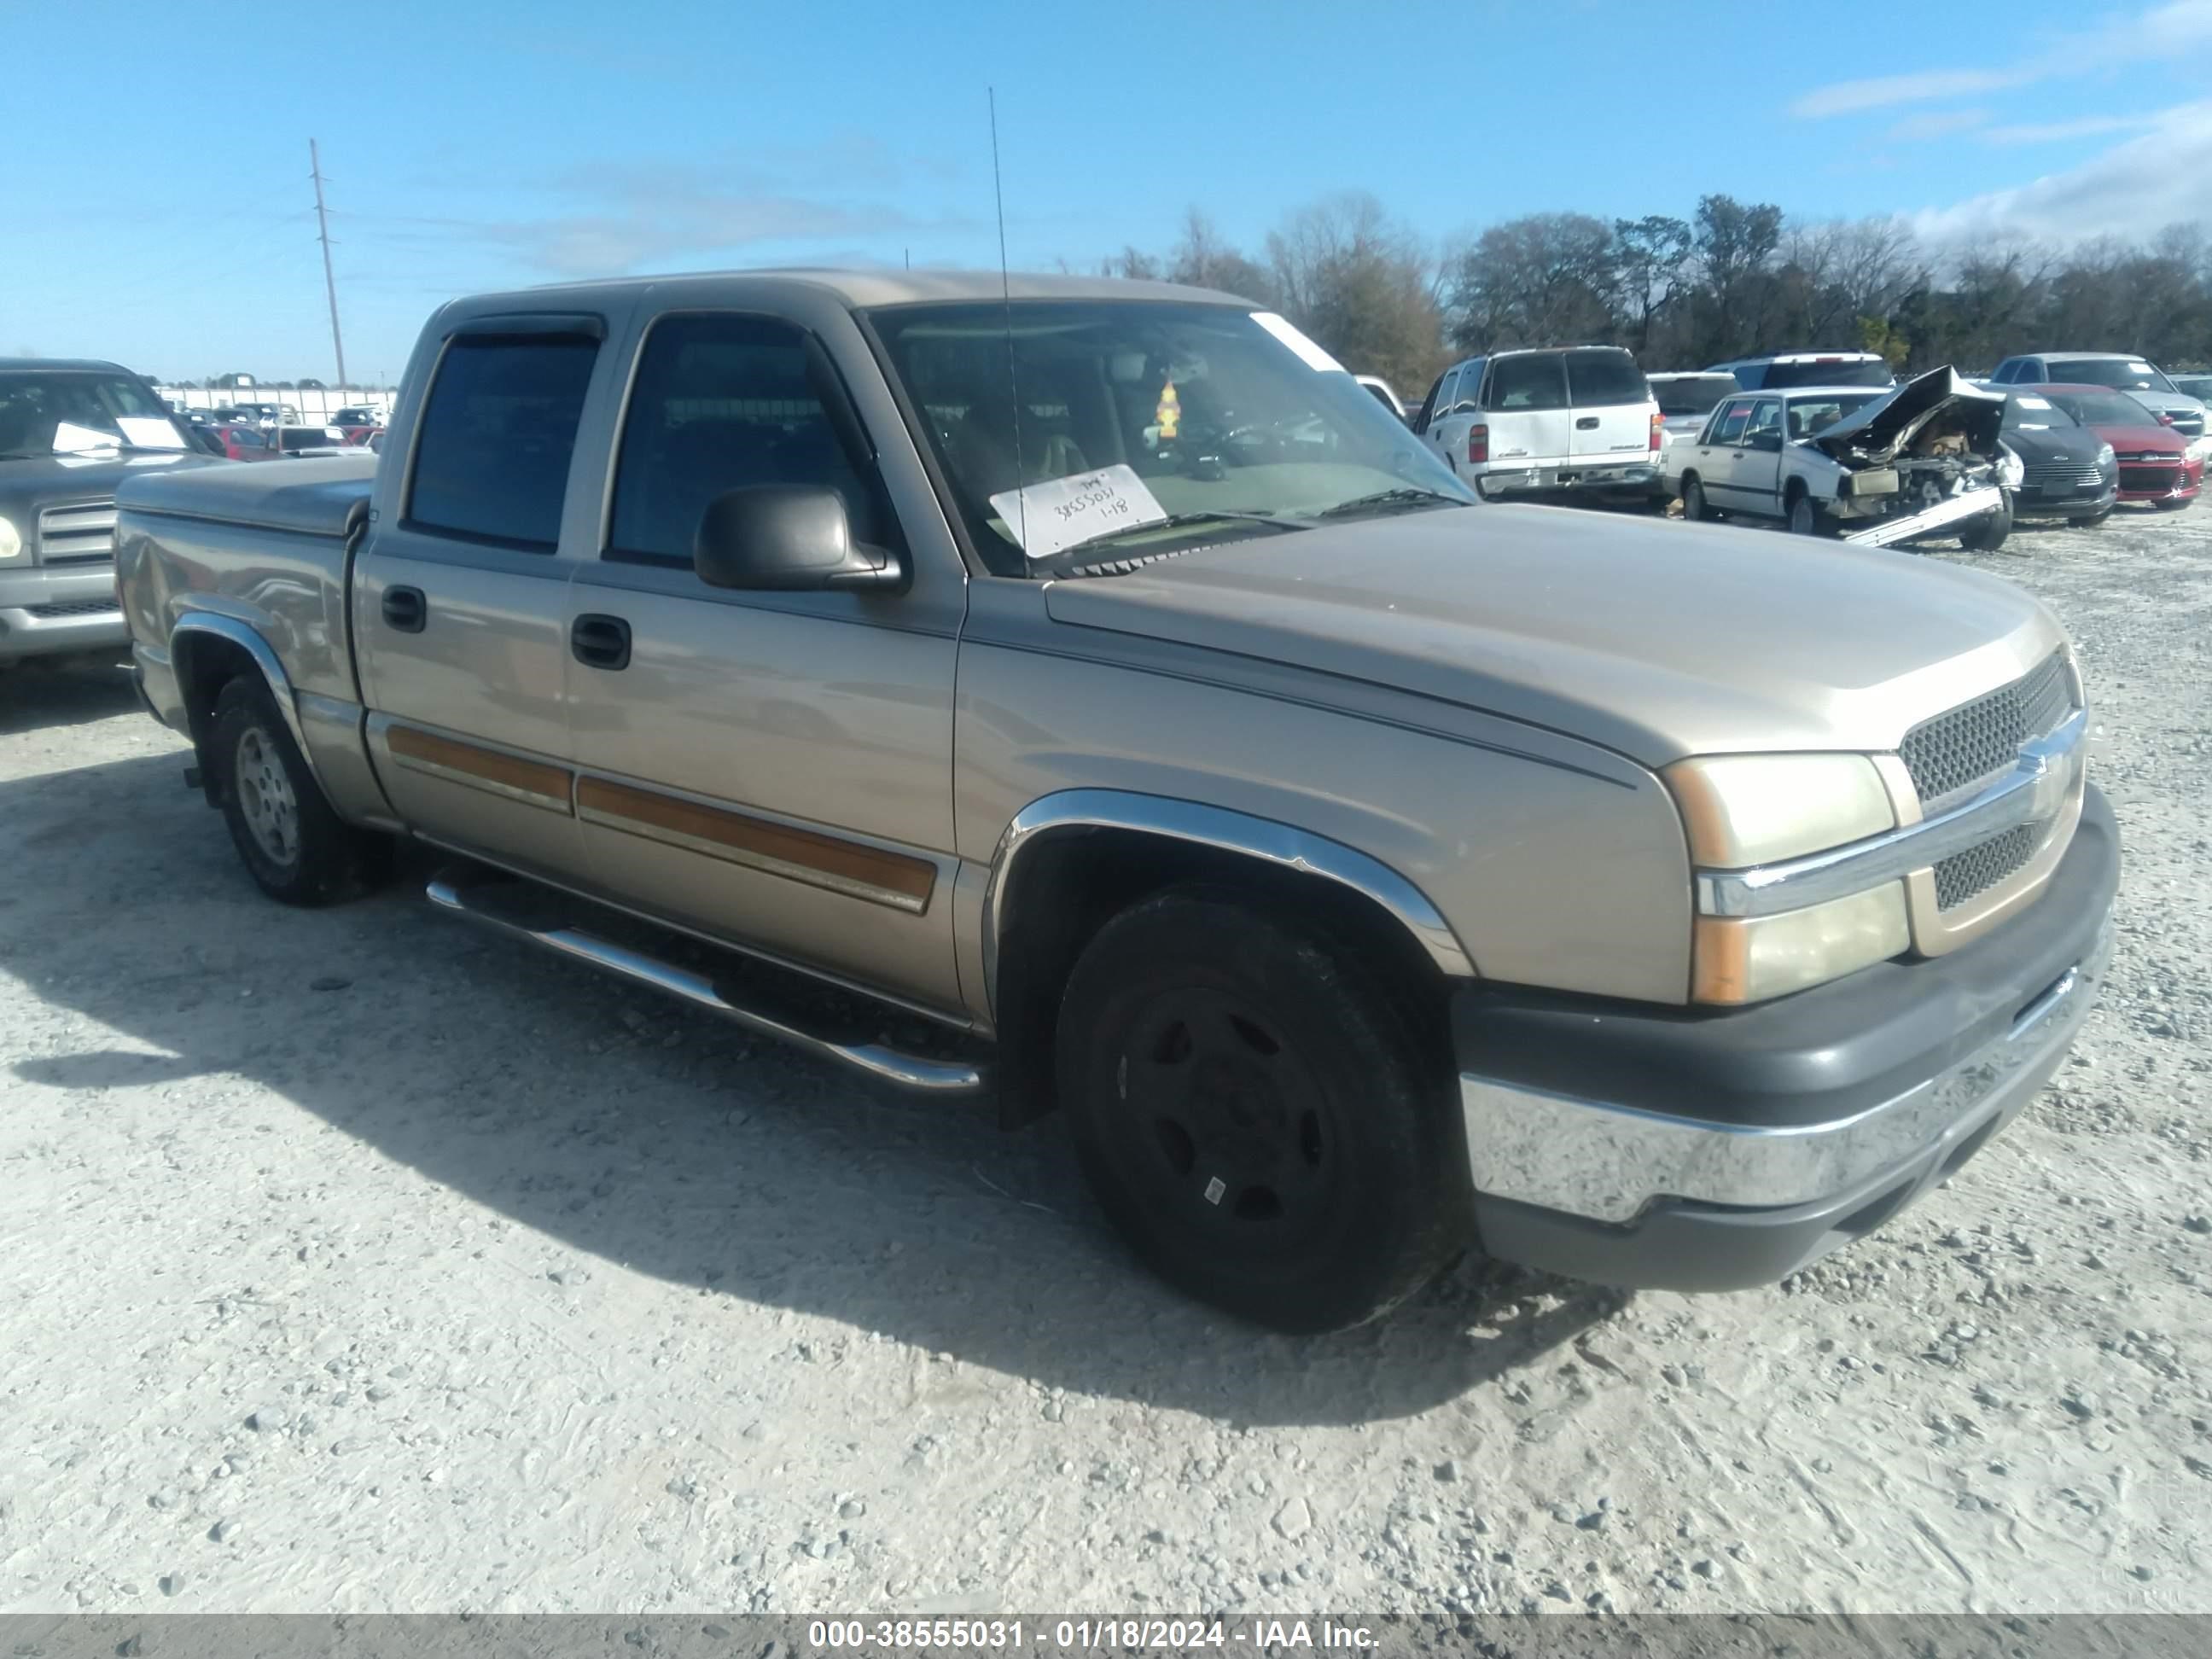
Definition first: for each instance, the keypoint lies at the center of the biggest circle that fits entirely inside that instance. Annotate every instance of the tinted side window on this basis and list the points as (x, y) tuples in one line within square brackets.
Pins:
[(1732, 421), (2029, 373), (1469, 395), (1600, 379), (1536, 382), (498, 429), (1447, 390), (722, 403)]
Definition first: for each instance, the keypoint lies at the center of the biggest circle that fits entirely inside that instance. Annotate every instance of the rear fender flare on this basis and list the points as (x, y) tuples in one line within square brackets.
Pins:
[(192, 633)]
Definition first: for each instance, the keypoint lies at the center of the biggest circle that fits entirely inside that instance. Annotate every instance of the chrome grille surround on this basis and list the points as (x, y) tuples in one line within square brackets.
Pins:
[(81, 532), (1963, 748)]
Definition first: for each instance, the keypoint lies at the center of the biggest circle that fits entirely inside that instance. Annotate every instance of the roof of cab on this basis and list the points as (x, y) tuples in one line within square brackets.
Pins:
[(11, 365), (862, 289)]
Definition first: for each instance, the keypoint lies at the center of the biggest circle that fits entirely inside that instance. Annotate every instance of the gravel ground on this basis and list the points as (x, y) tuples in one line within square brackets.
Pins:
[(357, 1262)]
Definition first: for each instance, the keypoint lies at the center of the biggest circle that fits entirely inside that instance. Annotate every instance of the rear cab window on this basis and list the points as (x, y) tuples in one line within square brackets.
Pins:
[(497, 433), (1604, 378), (1535, 380)]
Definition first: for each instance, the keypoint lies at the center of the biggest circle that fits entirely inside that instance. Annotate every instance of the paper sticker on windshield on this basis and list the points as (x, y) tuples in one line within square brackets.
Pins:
[(2141, 368), (70, 437), (2026, 402), (148, 432), (1047, 518), (1309, 353)]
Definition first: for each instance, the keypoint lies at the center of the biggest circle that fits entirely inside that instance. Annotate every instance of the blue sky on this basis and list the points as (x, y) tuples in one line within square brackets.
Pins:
[(161, 214)]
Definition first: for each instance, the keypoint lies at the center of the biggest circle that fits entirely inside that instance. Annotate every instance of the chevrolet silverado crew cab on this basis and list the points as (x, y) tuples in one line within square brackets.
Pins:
[(1580, 421), (69, 432), (1100, 684)]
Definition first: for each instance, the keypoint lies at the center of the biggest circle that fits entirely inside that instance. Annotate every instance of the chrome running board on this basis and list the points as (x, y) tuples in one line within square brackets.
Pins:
[(479, 902)]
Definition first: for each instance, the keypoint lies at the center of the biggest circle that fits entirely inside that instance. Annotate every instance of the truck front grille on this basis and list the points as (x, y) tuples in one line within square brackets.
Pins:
[(1978, 740), (1969, 874), (82, 533)]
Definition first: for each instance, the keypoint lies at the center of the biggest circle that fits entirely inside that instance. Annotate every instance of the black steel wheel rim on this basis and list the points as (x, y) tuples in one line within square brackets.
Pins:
[(1219, 1120)]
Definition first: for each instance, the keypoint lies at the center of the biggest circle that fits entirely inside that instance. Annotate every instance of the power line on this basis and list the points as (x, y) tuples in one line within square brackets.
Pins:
[(323, 235)]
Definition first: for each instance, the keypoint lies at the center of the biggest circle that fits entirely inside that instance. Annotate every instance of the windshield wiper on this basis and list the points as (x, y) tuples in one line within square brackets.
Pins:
[(1173, 521), (1404, 495)]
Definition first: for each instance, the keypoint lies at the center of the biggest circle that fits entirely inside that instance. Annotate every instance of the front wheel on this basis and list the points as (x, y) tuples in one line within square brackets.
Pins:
[(2172, 506), (1987, 533), (1256, 1118), (1805, 518), (296, 848)]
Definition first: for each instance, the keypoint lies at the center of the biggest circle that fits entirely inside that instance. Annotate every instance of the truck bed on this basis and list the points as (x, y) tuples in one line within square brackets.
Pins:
[(322, 496)]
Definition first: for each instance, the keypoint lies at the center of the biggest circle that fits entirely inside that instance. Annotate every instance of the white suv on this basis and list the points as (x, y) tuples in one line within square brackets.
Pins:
[(1576, 418)]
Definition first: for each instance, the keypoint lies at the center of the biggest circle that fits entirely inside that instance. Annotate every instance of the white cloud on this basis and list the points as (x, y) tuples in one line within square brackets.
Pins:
[(2178, 26), (1935, 124), (2161, 177), (2047, 132)]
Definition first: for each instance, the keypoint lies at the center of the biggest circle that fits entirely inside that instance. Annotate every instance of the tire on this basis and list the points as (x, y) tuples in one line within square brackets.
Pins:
[(296, 848), (1694, 505), (2172, 506), (2095, 520), (1987, 533), (1256, 1118), (1805, 518)]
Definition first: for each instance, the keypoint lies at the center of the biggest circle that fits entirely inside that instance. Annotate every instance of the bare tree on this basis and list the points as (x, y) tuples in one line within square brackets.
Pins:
[(1545, 279), (1362, 286)]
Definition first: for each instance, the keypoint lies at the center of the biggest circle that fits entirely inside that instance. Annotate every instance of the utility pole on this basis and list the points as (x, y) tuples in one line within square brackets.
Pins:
[(323, 235)]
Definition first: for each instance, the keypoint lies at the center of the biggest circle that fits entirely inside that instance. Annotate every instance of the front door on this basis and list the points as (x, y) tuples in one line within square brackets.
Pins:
[(460, 607), (775, 769)]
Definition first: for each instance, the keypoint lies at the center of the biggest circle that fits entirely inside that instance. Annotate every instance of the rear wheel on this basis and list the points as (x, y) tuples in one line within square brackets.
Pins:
[(296, 848), (1256, 1118), (1694, 505)]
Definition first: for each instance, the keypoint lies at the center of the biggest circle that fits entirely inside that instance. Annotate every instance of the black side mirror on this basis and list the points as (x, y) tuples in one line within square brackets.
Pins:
[(787, 538)]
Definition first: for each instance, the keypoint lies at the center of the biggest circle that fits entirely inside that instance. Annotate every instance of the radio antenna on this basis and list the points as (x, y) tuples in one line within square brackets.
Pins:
[(1006, 300)]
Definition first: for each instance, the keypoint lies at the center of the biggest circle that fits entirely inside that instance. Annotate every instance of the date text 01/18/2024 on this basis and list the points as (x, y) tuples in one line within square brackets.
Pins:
[(1081, 1634)]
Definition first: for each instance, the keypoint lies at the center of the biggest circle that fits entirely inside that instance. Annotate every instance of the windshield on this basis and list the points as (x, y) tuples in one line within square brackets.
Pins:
[(1143, 427), (2103, 409), (2029, 411), (1693, 394), (67, 411), (2121, 374), (1809, 417), (1829, 371)]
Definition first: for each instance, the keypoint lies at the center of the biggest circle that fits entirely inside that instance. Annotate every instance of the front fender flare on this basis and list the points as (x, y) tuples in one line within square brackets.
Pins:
[(1279, 844)]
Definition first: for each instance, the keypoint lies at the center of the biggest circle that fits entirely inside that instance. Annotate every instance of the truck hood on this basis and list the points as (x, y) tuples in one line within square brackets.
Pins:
[(1656, 640), (32, 481), (1877, 431)]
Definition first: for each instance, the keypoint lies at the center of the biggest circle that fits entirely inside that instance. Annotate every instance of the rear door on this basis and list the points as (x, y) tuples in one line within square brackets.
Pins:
[(1716, 458), (1612, 405), (1524, 403), (1755, 471), (461, 598)]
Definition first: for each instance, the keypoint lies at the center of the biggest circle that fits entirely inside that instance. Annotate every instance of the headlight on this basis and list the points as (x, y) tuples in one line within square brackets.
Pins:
[(11, 541), (2011, 472), (1742, 811), (1751, 959), (2104, 454)]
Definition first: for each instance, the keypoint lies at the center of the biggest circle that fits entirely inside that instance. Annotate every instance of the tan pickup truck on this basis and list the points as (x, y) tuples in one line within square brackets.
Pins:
[(1095, 677)]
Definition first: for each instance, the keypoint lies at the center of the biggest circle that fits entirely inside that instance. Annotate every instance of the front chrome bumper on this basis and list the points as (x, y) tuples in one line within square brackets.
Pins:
[(1609, 1163)]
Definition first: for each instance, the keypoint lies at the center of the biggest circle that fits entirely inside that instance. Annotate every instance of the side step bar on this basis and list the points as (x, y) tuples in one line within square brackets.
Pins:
[(905, 1071), (1968, 504)]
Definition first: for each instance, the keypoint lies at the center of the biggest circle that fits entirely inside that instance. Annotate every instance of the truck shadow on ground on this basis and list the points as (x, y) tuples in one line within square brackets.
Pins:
[(646, 1135), (35, 695)]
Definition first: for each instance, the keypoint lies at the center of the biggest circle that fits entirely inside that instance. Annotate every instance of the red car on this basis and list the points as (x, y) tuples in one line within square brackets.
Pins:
[(244, 443), (2155, 463)]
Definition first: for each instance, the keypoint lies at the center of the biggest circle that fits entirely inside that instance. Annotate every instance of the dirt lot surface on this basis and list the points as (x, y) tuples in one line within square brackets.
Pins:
[(357, 1261)]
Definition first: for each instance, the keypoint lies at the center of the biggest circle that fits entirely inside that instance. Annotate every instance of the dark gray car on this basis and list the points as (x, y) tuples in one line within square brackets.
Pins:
[(70, 431), (2066, 471)]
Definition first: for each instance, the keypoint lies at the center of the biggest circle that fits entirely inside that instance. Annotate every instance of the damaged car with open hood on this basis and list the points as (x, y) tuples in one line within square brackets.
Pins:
[(1880, 467)]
